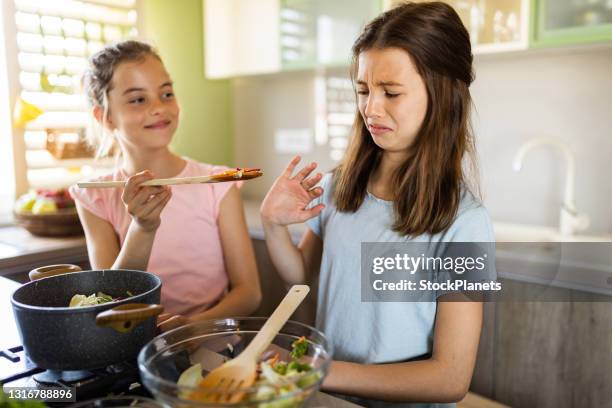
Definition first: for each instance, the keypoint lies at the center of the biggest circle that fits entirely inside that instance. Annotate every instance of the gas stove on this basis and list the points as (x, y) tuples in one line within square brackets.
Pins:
[(16, 370)]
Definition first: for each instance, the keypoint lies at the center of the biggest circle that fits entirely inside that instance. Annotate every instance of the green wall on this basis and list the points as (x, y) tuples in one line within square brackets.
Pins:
[(176, 29)]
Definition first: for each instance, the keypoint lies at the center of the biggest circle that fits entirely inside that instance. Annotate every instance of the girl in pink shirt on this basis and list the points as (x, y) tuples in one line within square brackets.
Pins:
[(193, 236)]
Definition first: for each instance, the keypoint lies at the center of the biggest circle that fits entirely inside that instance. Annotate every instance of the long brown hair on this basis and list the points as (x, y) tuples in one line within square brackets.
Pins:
[(428, 184)]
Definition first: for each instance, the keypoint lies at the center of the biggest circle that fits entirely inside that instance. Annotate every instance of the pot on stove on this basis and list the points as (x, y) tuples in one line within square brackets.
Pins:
[(57, 337)]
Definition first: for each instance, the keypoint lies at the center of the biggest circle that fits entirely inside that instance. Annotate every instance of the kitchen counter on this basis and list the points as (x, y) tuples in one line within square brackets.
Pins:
[(21, 251)]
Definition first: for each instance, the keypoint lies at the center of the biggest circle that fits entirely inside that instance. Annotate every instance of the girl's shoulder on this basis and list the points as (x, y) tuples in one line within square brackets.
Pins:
[(469, 202), (473, 222), (99, 201)]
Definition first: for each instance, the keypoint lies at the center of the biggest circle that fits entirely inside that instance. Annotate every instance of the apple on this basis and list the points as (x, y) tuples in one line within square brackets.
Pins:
[(44, 206), (63, 199), (26, 202), (44, 201)]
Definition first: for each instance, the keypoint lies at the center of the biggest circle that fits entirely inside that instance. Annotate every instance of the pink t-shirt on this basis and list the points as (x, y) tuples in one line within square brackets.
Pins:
[(187, 253)]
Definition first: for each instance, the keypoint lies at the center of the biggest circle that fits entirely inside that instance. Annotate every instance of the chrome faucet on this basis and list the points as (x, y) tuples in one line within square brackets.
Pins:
[(570, 220)]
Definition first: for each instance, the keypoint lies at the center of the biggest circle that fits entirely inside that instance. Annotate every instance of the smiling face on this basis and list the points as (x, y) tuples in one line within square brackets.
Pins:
[(392, 97), (141, 104)]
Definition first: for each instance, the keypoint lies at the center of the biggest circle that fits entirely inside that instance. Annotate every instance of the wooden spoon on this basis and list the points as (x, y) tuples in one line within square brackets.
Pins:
[(224, 383), (229, 175)]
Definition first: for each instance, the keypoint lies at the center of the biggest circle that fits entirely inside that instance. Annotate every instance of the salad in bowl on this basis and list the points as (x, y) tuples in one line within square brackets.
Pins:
[(293, 367)]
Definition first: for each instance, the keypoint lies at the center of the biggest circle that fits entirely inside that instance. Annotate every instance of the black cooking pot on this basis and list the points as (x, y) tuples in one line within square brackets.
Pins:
[(58, 337)]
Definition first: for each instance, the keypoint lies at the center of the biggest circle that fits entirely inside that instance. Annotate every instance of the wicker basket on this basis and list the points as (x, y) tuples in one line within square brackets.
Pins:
[(68, 144), (65, 222)]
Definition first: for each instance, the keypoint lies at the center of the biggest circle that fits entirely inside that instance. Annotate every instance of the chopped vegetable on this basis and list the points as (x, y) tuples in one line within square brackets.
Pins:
[(191, 377), (95, 299), (275, 379), (91, 300), (299, 348), (280, 367)]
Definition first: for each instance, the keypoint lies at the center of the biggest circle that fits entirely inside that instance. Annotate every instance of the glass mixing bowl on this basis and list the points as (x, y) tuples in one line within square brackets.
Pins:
[(210, 343)]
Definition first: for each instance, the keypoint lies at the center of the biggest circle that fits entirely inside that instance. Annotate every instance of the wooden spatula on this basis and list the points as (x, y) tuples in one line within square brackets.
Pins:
[(224, 383), (229, 175)]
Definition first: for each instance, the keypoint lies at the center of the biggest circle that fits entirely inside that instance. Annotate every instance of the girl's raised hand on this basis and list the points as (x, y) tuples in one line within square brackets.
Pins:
[(289, 196), (145, 203)]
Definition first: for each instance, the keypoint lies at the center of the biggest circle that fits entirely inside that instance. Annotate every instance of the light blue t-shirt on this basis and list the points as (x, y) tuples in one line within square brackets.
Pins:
[(378, 332)]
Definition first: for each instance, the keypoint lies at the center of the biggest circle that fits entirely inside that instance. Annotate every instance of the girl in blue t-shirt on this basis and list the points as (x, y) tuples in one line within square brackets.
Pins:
[(401, 179)]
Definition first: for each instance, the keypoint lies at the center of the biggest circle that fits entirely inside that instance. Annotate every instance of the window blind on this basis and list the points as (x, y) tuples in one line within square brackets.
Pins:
[(54, 40)]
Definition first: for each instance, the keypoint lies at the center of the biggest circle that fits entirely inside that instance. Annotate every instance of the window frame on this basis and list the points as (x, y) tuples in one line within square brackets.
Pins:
[(20, 170)]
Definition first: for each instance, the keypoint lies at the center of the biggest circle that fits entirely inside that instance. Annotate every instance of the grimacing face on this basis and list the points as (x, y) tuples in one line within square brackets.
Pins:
[(142, 105), (391, 97)]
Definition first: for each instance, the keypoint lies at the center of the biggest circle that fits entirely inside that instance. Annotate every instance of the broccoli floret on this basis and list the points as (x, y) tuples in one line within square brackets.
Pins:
[(281, 367), (299, 348)]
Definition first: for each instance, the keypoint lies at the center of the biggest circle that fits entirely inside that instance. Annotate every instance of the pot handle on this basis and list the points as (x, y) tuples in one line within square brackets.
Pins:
[(52, 270), (125, 317)]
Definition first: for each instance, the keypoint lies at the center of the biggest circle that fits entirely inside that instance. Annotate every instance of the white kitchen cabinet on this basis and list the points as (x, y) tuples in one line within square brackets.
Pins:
[(247, 37), (321, 32), (241, 37), (494, 25)]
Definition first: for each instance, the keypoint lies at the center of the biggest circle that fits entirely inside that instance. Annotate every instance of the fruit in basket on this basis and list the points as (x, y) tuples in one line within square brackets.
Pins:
[(44, 206), (26, 202), (48, 213), (44, 201)]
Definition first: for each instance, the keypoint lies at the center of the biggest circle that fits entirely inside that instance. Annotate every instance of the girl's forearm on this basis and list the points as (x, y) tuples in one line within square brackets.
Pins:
[(239, 301), (418, 381), (136, 249), (285, 255)]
